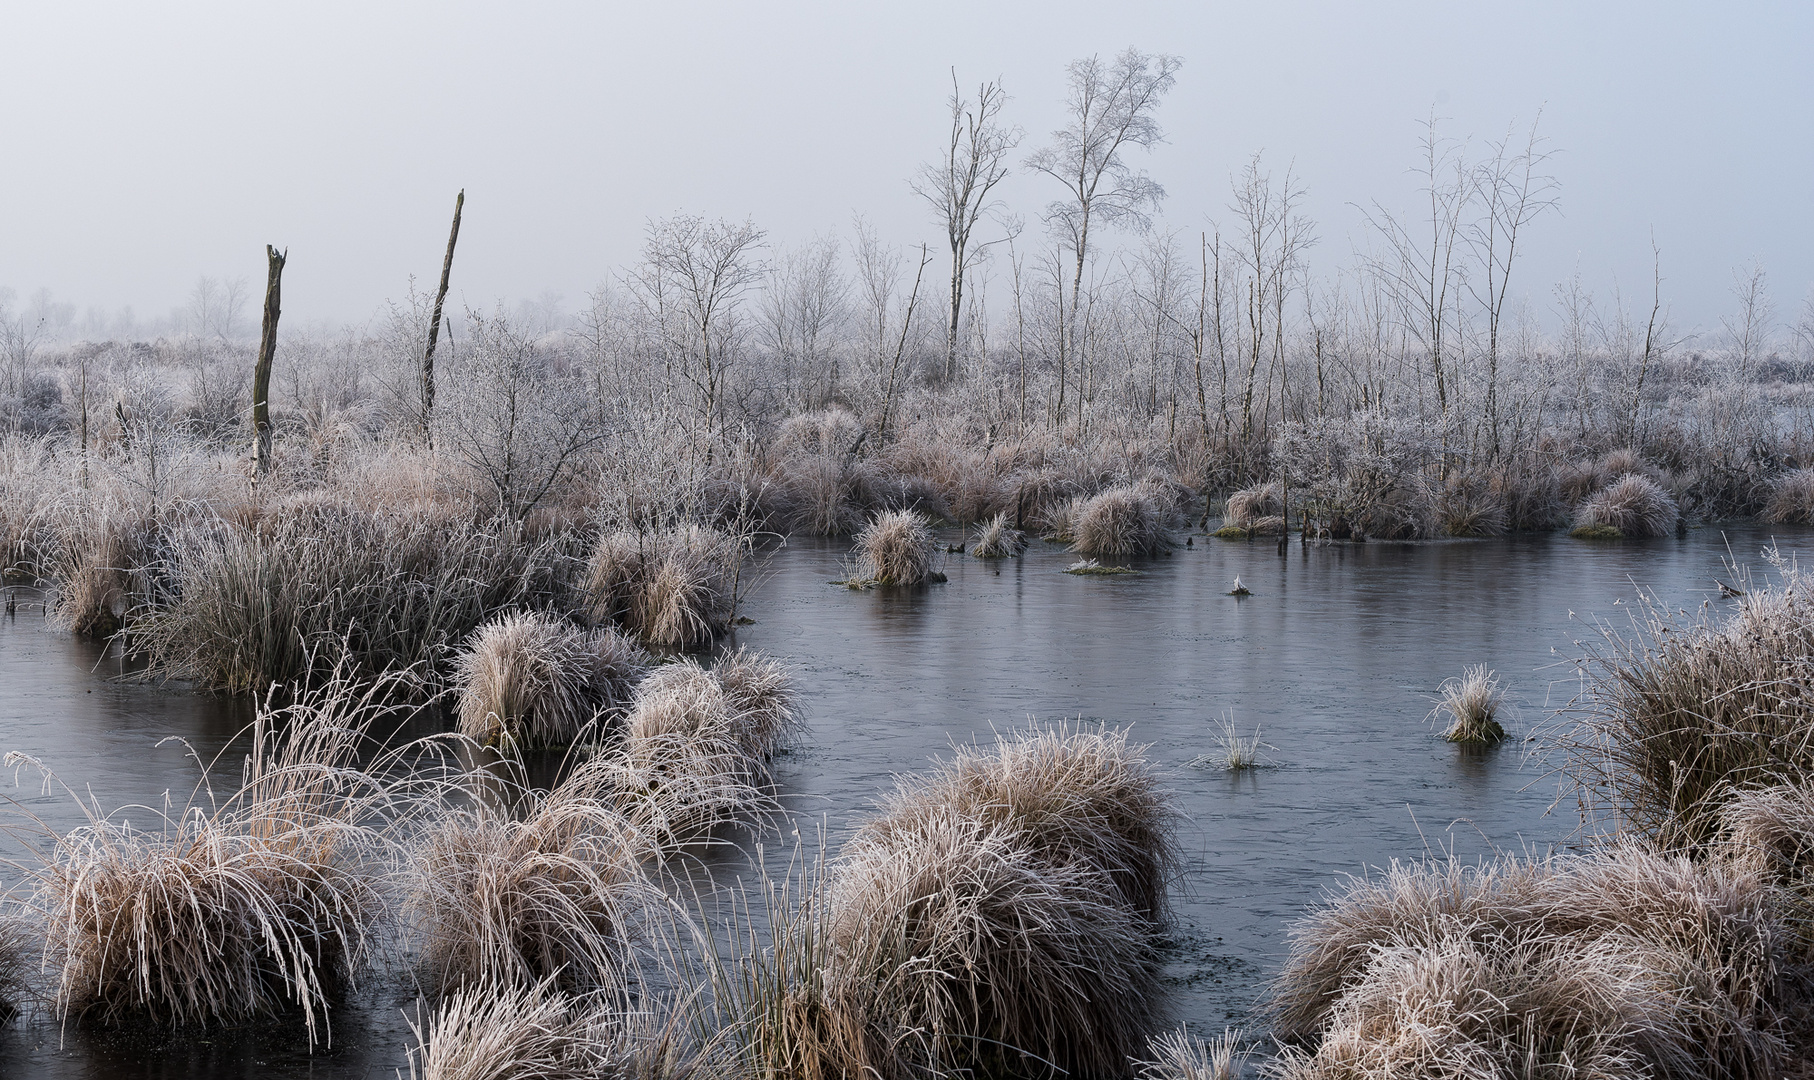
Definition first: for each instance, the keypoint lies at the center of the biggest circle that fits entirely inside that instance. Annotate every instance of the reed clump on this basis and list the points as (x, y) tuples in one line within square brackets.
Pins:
[(696, 748), (1472, 702), (1625, 963), (1683, 712), (673, 588), (996, 539), (896, 548), (1792, 499), (999, 915), (247, 604), (1633, 506), (1126, 520), (529, 678), (1178, 1055), (553, 892), (1249, 507), (266, 901)]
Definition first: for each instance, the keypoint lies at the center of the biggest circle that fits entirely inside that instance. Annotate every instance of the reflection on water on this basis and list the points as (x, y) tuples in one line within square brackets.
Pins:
[(1336, 657)]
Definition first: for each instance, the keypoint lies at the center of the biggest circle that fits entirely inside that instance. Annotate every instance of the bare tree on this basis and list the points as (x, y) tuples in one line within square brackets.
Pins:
[(434, 319), (510, 415), (1749, 327), (1514, 192), (1110, 109), (1274, 237), (704, 267), (1421, 267), (804, 310), (215, 308), (267, 350), (957, 186)]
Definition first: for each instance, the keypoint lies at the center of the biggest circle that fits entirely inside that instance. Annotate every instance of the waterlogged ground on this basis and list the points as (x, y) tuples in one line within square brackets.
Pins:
[(1334, 657)]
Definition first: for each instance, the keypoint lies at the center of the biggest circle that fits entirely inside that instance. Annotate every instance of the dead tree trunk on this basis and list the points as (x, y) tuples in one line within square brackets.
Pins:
[(434, 321), (267, 347)]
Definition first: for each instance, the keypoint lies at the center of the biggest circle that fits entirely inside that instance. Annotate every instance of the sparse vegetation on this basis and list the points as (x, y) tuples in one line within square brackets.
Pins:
[(1472, 703)]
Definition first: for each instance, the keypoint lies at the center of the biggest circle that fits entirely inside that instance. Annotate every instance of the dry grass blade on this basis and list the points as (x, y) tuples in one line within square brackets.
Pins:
[(1177, 1055), (897, 548), (996, 539)]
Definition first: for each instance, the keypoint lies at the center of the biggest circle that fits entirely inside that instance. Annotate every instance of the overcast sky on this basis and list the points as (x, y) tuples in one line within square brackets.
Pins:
[(143, 145)]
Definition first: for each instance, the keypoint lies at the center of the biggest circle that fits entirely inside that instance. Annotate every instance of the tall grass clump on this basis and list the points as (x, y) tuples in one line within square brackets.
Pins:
[(1249, 507), (695, 748), (536, 679), (674, 588), (549, 890), (16, 967), (97, 548), (1125, 520), (1681, 713), (248, 604), (1792, 499), (1177, 1055), (1472, 702), (896, 548), (996, 539), (1626, 963), (999, 915), (265, 901), (1633, 506)]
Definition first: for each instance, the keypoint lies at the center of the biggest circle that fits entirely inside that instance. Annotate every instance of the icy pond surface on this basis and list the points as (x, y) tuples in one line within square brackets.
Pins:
[(1335, 657)]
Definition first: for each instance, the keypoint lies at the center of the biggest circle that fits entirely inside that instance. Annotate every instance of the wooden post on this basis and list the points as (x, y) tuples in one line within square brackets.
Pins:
[(434, 322), (267, 347)]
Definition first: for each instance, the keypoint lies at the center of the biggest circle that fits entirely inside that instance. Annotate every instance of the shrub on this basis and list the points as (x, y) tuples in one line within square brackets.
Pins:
[(1792, 499), (1537, 969), (897, 548), (1121, 521), (1682, 713), (532, 679), (1472, 703), (1634, 505), (264, 901), (996, 539), (675, 588)]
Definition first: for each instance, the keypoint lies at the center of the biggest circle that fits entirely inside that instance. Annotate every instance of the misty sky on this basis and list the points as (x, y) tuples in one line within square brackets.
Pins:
[(144, 145)]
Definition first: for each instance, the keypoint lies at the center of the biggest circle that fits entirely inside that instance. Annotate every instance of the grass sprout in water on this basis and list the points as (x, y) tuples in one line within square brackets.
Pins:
[(1234, 751), (1472, 703)]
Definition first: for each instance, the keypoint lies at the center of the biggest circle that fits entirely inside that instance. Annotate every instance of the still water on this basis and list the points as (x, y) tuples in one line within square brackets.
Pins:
[(1334, 658)]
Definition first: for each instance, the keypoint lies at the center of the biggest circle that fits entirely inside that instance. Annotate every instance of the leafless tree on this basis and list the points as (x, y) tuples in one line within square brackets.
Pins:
[(1749, 327), (702, 270), (216, 308), (1514, 191), (957, 186), (804, 311), (1110, 109), (511, 416), (1270, 256)]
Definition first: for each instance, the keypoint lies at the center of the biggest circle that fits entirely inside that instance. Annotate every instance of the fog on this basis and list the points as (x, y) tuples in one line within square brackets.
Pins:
[(144, 148)]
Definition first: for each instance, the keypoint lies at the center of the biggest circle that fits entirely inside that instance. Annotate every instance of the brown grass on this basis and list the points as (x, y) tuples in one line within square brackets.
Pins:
[(535, 679), (1792, 499), (996, 539), (1635, 505), (1625, 963), (674, 588), (1125, 520), (896, 548), (1248, 506), (1472, 703)]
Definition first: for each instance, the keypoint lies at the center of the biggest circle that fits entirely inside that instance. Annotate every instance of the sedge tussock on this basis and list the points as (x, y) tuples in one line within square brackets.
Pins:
[(1178, 1055), (695, 748), (996, 539), (1635, 505), (535, 679), (896, 548), (1125, 520), (1639, 962), (1472, 702), (1792, 499), (557, 893), (674, 588), (1249, 506), (1683, 711), (265, 901)]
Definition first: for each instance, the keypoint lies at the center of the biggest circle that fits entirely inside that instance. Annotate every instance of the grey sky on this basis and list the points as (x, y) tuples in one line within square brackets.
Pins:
[(145, 146)]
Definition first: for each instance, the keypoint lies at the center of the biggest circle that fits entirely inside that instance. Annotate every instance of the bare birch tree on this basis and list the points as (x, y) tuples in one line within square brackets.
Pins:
[(957, 186), (705, 268), (1109, 110)]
